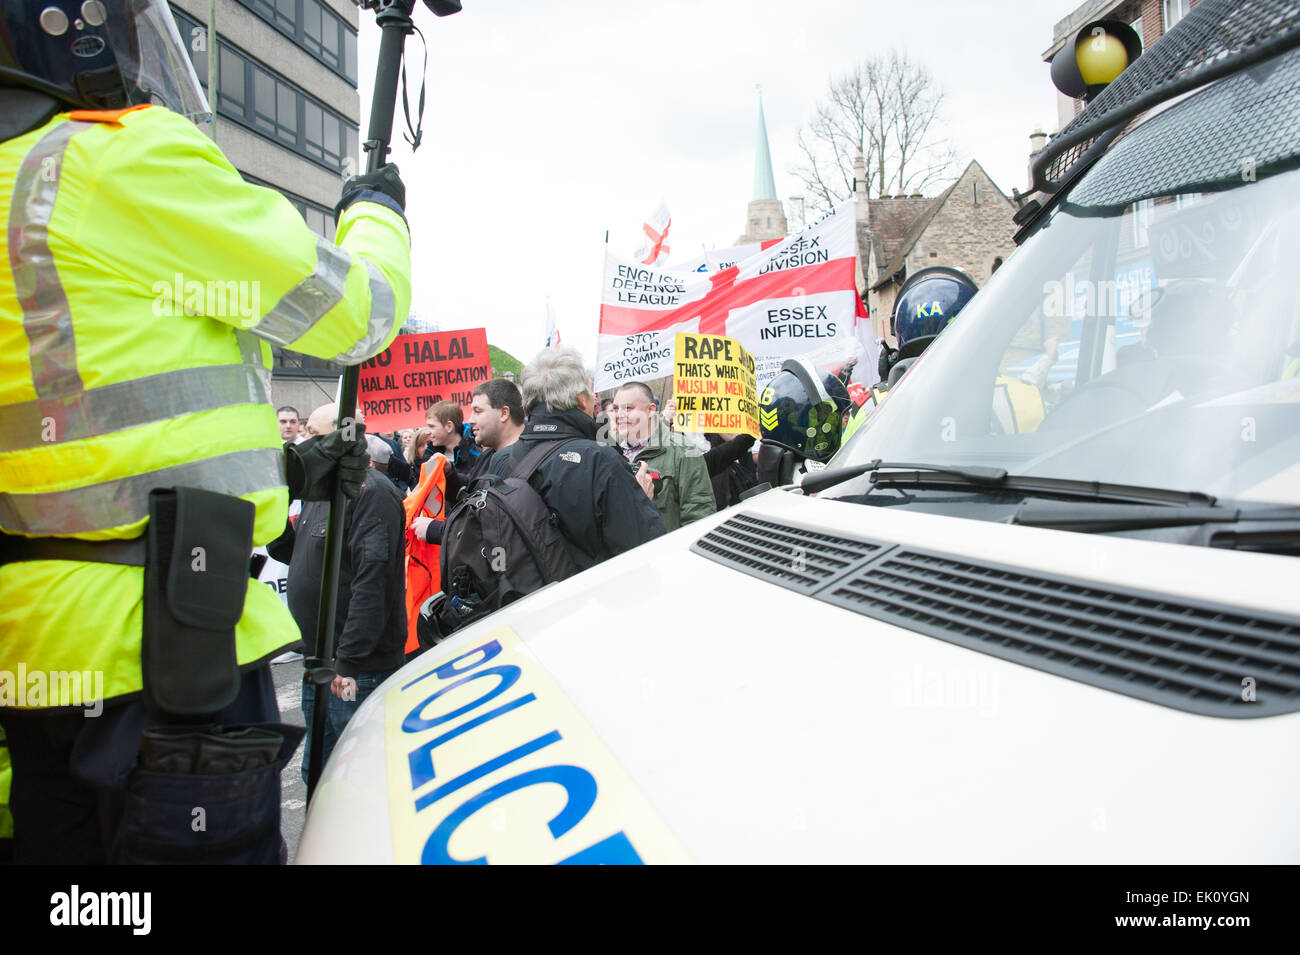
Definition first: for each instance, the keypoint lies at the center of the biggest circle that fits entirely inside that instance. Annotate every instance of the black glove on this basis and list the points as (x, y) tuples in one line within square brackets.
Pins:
[(383, 185), (311, 467), (888, 356)]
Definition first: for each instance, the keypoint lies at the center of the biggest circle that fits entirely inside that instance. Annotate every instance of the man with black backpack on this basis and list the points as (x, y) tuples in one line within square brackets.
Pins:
[(555, 503)]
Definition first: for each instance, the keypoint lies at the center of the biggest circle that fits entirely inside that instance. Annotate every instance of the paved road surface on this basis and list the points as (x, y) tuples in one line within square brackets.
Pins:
[(293, 791)]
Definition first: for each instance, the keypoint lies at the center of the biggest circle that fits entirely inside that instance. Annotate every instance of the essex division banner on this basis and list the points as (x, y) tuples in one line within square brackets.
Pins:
[(415, 372), (778, 303), (713, 385)]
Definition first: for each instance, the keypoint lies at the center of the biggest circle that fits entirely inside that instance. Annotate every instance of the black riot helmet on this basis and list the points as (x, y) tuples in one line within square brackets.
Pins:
[(802, 410), (927, 302), (99, 54)]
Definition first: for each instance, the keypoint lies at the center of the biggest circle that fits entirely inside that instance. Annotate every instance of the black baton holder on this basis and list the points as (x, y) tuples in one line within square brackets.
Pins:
[(195, 579)]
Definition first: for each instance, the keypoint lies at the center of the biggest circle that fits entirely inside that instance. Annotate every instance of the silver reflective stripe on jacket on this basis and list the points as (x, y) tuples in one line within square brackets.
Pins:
[(47, 321), (125, 500), (307, 302), (64, 410), (128, 404), (383, 312)]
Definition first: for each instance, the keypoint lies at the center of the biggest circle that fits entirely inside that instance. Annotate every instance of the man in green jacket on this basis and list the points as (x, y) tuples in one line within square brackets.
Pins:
[(669, 465)]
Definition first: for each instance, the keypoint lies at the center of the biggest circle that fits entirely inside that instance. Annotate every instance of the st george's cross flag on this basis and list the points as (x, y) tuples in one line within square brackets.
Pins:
[(779, 303)]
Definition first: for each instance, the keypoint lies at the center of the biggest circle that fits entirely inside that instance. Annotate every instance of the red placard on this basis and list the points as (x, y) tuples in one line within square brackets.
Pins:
[(417, 371)]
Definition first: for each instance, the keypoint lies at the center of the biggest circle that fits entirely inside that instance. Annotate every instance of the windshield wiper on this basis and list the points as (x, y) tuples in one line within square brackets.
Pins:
[(1098, 517), (997, 479), (813, 483), (1102, 517)]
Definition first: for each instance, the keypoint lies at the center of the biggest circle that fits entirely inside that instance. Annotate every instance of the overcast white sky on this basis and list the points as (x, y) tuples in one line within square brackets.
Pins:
[(547, 123)]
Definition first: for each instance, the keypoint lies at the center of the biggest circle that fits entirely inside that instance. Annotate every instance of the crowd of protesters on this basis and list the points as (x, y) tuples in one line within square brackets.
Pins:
[(625, 477)]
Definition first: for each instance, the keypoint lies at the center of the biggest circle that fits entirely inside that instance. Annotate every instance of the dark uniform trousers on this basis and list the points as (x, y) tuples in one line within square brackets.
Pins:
[(75, 777)]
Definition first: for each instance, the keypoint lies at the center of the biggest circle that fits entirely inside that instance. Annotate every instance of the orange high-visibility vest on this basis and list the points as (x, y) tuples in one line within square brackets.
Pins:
[(429, 499)]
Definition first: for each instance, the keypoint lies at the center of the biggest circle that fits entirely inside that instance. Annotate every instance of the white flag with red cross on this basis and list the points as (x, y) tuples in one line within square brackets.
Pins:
[(780, 302), (654, 246), (552, 330)]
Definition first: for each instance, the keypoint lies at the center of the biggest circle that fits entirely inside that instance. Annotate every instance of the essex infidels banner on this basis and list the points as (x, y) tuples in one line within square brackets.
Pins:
[(415, 372), (782, 302)]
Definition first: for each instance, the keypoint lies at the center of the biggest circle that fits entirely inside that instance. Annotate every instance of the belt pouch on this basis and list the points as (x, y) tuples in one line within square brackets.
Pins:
[(195, 581)]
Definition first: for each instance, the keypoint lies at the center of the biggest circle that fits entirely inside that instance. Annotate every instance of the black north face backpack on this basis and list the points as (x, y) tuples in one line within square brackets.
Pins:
[(500, 543)]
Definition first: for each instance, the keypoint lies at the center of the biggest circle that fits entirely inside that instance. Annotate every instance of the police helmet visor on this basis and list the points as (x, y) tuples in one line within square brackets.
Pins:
[(100, 54), (164, 73), (794, 419)]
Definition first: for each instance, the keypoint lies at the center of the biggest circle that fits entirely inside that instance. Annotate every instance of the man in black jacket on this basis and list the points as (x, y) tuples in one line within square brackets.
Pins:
[(370, 619), (601, 508)]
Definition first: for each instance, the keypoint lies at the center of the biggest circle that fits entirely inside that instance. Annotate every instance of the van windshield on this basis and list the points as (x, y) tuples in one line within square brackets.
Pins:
[(1148, 332)]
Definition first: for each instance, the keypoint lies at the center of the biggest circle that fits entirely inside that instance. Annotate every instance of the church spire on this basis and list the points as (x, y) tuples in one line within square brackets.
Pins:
[(764, 182), (766, 218)]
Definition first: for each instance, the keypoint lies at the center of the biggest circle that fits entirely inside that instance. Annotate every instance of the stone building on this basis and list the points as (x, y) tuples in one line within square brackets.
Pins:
[(287, 117), (968, 226)]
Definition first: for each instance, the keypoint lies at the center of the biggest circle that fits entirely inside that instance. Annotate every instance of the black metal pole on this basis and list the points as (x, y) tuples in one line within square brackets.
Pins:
[(395, 21)]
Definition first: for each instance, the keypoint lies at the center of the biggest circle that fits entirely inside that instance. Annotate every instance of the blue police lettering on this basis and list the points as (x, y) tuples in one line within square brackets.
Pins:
[(448, 669), (491, 766), (579, 784), (508, 675), (421, 758), (614, 850)]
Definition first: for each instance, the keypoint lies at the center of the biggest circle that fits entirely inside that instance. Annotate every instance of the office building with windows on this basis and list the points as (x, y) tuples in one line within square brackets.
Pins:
[(287, 115)]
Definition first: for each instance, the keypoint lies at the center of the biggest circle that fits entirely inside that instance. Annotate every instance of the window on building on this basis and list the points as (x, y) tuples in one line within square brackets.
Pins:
[(231, 89), (251, 94), (275, 107), (312, 17), (312, 25), (264, 100), (320, 222), (313, 119), (320, 34), (196, 35), (286, 111), (1175, 10), (975, 193), (282, 14), (349, 54), (1143, 212)]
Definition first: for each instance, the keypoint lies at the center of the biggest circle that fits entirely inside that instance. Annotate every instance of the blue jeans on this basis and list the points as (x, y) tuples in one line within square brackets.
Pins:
[(337, 713)]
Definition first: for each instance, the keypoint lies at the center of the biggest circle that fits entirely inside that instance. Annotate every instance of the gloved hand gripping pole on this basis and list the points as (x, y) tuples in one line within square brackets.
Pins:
[(394, 18)]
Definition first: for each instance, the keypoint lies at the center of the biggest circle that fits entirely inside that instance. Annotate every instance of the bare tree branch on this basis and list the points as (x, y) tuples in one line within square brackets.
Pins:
[(889, 108)]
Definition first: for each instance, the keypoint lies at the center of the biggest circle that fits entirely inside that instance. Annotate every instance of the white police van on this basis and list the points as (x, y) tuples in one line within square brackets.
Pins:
[(1073, 639)]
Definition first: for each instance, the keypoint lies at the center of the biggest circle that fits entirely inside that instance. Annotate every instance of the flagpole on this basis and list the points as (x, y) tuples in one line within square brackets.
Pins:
[(604, 261)]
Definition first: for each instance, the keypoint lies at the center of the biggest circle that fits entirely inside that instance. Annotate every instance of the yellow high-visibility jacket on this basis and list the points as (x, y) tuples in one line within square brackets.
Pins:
[(141, 284)]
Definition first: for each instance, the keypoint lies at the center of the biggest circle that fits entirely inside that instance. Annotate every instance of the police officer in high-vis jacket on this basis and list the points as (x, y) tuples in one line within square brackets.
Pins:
[(142, 286)]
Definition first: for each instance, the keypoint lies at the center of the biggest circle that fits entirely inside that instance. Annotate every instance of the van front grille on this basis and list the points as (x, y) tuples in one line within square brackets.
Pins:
[(1215, 660)]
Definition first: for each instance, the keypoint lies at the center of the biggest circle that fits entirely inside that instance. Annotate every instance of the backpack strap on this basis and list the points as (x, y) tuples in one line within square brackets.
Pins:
[(531, 461)]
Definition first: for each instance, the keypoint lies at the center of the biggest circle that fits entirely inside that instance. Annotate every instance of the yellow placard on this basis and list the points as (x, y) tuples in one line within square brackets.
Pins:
[(713, 385), (489, 761)]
